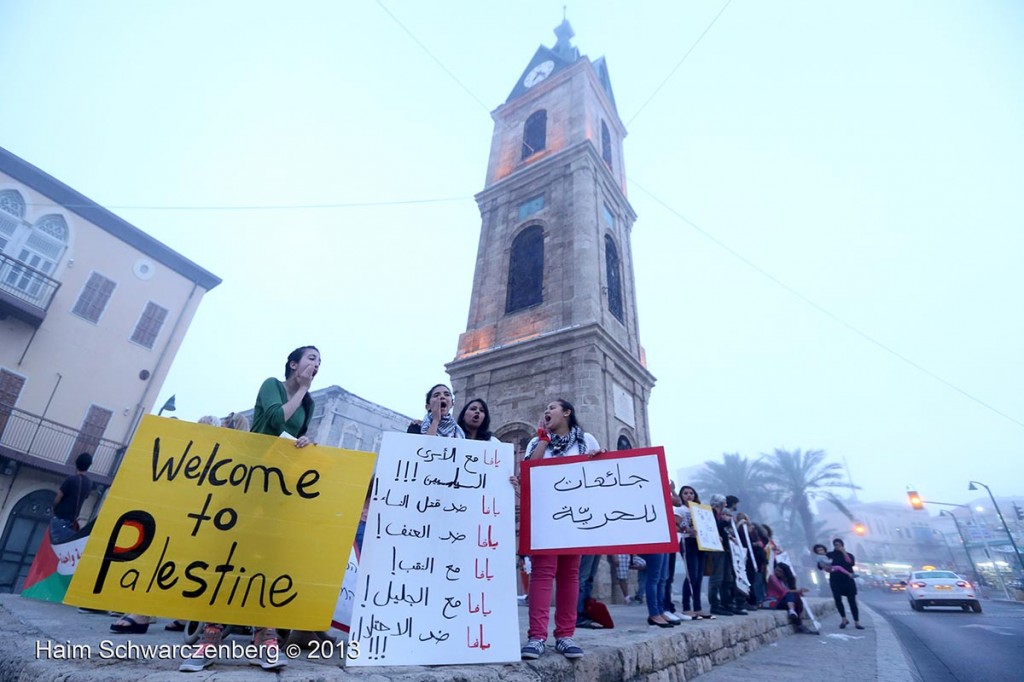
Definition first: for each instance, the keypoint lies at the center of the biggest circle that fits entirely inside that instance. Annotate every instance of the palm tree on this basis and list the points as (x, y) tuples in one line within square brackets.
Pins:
[(735, 475), (799, 477)]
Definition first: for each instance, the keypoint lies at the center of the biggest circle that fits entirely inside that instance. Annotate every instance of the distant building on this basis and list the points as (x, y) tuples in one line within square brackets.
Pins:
[(344, 420), (92, 312)]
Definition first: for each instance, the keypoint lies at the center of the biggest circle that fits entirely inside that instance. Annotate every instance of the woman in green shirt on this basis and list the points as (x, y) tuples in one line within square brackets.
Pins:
[(286, 406), (281, 407)]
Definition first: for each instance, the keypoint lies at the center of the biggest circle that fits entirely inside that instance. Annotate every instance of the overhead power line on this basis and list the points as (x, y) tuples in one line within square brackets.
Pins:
[(679, 63), (822, 309), (258, 207)]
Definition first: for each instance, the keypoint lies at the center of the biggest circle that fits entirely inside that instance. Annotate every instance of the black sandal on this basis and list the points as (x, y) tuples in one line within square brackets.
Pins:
[(130, 626), (175, 626)]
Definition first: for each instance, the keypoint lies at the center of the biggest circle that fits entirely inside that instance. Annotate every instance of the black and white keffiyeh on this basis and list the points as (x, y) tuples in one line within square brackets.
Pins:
[(447, 428), (561, 446)]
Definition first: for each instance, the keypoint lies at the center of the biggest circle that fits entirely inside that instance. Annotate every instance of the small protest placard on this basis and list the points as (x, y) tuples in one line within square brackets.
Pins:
[(615, 503), (212, 524), (437, 580), (706, 528)]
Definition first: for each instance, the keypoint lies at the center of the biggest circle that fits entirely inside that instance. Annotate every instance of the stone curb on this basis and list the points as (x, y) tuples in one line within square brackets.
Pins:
[(632, 652)]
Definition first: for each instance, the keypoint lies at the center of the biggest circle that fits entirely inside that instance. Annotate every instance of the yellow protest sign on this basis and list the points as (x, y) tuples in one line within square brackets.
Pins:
[(212, 524)]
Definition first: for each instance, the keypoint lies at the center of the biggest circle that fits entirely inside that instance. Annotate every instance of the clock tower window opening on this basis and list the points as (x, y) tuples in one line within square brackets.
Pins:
[(535, 133), (611, 261), (606, 145), (526, 270)]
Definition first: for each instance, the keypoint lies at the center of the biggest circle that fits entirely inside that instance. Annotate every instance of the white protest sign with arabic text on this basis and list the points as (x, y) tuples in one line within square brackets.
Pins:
[(615, 503), (437, 581)]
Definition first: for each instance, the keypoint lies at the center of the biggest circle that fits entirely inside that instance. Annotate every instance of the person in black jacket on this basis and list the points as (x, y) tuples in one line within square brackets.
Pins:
[(842, 583)]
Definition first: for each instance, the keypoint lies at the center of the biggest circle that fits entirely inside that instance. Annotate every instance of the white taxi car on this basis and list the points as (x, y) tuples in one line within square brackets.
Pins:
[(941, 588)]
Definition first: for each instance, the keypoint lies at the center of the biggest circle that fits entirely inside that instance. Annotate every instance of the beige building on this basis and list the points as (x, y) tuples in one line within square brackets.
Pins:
[(92, 312), (553, 312)]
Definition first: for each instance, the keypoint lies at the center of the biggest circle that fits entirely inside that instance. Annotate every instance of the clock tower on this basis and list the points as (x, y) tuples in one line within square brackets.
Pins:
[(553, 311)]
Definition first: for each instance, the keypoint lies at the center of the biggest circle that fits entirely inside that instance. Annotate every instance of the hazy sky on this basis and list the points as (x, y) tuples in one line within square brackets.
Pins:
[(868, 157)]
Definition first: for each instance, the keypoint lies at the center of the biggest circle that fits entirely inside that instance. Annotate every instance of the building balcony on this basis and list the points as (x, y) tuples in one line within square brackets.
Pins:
[(25, 293), (44, 444)]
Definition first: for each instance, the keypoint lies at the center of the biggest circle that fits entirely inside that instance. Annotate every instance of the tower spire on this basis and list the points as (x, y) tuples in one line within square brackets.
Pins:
[(563, 48)]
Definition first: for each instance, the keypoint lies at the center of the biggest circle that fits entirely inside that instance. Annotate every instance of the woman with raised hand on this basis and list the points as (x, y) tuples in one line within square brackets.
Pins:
[(281, 407), (559, 434), (438, 420)]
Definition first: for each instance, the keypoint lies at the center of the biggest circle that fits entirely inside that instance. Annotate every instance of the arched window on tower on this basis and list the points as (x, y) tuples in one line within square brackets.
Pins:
[(623, 443), (614, 276), (526, 270), (535, 133), (606, 145)]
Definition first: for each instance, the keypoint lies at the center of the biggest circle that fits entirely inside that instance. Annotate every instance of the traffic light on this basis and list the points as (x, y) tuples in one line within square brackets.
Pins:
[(915, 500), (1019, 511), (859, 528)]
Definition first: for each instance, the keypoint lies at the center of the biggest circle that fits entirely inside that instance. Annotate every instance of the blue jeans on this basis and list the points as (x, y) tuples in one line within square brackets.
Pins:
[(360, 532), (670, 573), (60, 530), (694, 574), (654, 589), (588, 570)]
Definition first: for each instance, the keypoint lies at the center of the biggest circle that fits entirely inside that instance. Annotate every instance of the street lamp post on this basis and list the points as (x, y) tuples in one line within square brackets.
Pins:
[(963, 541), (952, 556), (988, 551), (169, 406), (999, 513)]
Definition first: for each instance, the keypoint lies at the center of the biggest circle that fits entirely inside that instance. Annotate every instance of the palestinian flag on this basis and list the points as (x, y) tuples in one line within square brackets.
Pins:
[(51, 571)]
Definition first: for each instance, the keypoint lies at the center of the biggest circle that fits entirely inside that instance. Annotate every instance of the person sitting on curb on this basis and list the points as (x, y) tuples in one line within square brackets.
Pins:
[(783, 594)]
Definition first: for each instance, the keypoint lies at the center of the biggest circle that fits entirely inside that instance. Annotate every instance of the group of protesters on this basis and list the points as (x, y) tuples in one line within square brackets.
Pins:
[(285, 407)]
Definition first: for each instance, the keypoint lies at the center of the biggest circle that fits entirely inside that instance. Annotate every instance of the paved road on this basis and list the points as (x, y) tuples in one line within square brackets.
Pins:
[(947, 644)]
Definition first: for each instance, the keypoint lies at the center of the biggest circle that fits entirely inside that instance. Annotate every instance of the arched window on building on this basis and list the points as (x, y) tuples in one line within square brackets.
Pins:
[(614, 276), (39, 246), (526, 270), (12, 211), (623, 443), (606, 145), (535, 133), (351, 437)]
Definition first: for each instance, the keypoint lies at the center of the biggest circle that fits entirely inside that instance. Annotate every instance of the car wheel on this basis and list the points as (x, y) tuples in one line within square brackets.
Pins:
[(976, 606), (914, 605)]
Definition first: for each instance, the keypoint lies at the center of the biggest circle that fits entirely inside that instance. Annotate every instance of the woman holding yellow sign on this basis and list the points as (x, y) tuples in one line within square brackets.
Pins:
[(281, 407)]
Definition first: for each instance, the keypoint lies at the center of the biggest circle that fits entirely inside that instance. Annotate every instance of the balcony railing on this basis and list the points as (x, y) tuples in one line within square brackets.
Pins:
[(45, 443), (25, 292)]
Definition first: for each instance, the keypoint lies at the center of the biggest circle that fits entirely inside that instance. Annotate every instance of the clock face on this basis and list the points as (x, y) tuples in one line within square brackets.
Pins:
[(538, 73)]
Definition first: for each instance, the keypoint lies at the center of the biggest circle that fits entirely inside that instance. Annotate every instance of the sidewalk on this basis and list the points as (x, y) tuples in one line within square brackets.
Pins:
[(847, 655), (632, 651)]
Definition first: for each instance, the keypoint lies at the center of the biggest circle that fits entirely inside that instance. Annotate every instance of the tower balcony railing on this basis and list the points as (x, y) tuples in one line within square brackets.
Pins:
[(25, 292), (46, 444)]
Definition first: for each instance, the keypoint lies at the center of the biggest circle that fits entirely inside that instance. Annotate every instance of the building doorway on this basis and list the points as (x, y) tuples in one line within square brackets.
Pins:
[(28, 522)]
